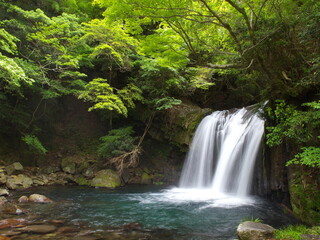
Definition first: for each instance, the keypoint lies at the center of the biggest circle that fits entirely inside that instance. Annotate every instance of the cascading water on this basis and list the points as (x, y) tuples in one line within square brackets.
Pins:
[(223, 152)]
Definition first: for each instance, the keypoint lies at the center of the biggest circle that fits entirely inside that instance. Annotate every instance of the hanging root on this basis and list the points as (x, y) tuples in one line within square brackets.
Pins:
[(126, 160), (131, 159)]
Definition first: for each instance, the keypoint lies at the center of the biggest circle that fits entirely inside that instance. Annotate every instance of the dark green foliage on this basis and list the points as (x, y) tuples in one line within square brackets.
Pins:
[(117, 142), (301, 127)]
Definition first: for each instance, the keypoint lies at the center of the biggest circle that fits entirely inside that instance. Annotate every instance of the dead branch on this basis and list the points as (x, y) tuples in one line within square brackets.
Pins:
[(131, 159)]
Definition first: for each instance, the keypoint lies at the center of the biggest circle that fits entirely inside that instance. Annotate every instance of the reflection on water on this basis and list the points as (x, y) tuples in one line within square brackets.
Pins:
[(167, 213)]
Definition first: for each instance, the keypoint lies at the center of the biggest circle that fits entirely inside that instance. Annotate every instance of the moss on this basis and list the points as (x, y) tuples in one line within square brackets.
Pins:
[(305, 196), (146, 178), (106, 178), (295, 232), (183, 121), (82, 181)]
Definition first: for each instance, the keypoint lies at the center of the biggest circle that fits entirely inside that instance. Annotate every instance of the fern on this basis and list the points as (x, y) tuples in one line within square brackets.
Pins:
[(34, 144)]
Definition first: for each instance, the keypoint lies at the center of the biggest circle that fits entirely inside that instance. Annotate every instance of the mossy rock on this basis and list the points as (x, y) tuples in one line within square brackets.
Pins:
[(305, 195), (181, 122), (82, 181), (146, 178), (106, 178)]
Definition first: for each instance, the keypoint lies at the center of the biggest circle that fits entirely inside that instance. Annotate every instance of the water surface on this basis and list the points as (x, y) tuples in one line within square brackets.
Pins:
[(174, 213)]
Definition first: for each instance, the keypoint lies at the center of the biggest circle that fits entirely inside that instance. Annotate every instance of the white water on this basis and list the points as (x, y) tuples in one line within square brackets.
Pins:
[(223, 153)]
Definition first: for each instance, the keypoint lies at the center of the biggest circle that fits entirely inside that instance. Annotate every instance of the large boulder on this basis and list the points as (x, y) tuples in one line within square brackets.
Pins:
[(254, 231), (14, 168), (18, 181), (106, 178)]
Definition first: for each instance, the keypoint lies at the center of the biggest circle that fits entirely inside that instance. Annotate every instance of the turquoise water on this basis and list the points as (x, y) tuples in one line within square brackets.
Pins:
[(173, 213)]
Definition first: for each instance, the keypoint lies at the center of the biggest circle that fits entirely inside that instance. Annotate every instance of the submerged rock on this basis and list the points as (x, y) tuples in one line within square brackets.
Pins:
[(254, 231), (39, 229), (11, 222), (106, 178), (18, 181), (12, 209)]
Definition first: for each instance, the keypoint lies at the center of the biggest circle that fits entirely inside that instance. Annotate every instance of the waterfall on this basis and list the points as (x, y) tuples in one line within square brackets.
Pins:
[(223, 152)]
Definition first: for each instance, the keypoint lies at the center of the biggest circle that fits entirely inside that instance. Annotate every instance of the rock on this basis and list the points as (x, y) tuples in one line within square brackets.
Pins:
[(68, 165), (39, 229), (23, 199), (11, 222), (254, 231), (82, 181), (88, 172), (146, 178), (67, 229), (310, 237), (4, 238), (3, 178), (18, 181), (3, 200), (50, 169), (38, 198), (4, 192), (14, 168), (106, 178)]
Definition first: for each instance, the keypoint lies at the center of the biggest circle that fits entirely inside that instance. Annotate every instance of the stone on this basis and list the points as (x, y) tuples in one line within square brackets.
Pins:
[(82, 181), (3, 200), (106, 178), (4, 192), (310, 237), (68, 165), (18, 181), (23, 199), (14, 168), (88, 172), (38, 198), (146, 178), (11, 222), (3, 178), (39, 228), (254, 231), (4, 238)]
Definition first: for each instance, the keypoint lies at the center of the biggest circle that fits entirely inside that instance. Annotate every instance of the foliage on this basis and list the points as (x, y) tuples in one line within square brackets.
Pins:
[(304, 182), (34, 144), (101, 93), (117, 142), (310, 156), (295, 232), (299, 126)]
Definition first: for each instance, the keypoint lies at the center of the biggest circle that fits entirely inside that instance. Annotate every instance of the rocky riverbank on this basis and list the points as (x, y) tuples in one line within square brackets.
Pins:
[(15, 176)]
